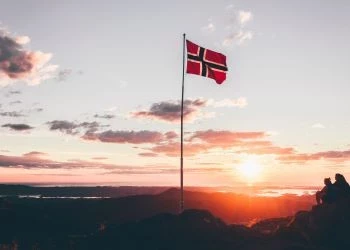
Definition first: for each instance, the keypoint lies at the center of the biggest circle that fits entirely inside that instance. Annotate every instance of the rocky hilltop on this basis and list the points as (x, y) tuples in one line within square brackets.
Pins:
[(325, 227), (150, 222)]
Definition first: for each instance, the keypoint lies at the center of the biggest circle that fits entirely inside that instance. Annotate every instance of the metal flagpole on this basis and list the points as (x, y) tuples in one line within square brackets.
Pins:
[(182, 117)]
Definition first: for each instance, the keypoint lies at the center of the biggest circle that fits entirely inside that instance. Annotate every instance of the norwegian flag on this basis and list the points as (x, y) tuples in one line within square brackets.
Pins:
[(205, 62)]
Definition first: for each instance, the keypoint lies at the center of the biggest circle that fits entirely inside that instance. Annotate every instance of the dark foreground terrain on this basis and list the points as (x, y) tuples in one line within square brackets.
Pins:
[(152, 222)]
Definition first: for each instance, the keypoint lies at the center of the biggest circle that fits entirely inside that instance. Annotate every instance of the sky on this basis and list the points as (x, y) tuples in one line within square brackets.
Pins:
[(90, 92)]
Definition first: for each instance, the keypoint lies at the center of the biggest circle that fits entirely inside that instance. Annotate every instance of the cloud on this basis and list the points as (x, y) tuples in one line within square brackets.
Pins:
[(237, 142), (203, 141), (244, 17), (22, 40), (236, 27), (165, 170), (63, 126), (72, 128), (171, 135), (325, 155), (36, 110), (15, 102), (318, 125), (17, 127), (170, 111), (105, 116), (13, 92), (63, 74), (111, 109), (99, 158), (239, 37), (209, 28), (132, 137), (172, 149), (148, 154), (20, 64), (222, 137), (241, 102), (270, 150), (13, 114), (34, 160), (34, 154)]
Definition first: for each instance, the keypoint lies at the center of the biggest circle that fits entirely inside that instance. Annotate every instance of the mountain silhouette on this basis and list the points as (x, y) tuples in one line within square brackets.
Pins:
[(212, 221), (325, 227)]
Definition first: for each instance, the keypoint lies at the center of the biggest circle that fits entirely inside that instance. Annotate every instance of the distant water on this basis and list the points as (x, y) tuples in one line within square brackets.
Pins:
[(57, 197), (289, 191), (68, 184), (274, 191), (253, 190)]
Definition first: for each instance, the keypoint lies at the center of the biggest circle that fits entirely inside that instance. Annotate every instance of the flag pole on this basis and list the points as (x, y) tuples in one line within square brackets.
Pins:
[(182, 117)]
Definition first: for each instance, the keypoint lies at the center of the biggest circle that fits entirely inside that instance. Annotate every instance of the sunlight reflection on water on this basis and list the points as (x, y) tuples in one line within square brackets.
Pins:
[(289, 191)]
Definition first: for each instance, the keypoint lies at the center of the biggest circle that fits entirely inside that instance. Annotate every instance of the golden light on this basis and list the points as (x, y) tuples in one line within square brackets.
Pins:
[(250, 170)]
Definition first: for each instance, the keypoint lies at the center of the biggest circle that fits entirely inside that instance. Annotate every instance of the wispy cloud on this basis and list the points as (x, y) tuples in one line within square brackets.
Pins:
[(131, 137), (73, 128), (225, 136), (202, 141), (244, 17), (20, 113), (63, 74), (170, 111), (104, 116), (239, 37), (99, 158), (268, 150), (210, 27), (13, 92), (318, 125), (341, 156), (20, 64), (12, 114), (236, 26), (15, 102), (146, 154), (241, 102), (35, 160), (34, 154)]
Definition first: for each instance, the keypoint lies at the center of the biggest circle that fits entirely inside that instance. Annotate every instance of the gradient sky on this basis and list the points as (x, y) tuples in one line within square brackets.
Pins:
[(99, 100)]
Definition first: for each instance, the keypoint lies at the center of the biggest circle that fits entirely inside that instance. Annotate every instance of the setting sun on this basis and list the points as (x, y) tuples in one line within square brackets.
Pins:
[(250, 170)]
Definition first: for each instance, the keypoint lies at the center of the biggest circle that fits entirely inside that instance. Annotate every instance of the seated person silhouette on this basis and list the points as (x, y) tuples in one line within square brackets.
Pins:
[(326, 195), (341, 186)]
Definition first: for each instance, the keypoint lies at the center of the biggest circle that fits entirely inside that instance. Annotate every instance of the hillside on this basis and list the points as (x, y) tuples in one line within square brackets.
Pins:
[(325, 227), (58, 223)]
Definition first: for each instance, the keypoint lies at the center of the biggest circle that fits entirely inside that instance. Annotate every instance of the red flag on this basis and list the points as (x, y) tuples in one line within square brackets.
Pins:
[(205, 62)]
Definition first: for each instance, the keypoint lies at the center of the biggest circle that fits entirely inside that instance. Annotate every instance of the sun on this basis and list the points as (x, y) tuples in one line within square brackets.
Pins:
[(250, 170)]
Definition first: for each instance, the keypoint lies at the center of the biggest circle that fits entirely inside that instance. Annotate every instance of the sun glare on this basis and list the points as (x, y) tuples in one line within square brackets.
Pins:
[(250, 170)]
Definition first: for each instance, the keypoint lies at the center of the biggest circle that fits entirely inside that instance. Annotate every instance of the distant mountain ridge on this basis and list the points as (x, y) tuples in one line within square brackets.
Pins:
[(73, 191)]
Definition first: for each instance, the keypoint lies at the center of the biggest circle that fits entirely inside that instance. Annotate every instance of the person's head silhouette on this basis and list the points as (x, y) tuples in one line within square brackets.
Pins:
[(340, 178), (327, 181)]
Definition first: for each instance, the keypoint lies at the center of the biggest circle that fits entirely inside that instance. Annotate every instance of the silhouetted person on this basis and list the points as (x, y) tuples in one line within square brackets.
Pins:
[(327, 194), (341, 186)]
